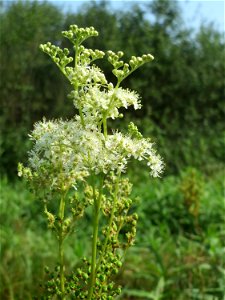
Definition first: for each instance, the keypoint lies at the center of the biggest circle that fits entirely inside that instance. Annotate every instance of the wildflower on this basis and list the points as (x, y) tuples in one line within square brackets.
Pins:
[(68, 154)]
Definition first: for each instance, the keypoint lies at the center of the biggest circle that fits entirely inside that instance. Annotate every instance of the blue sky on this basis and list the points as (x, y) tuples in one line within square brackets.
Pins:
[(194, 11)]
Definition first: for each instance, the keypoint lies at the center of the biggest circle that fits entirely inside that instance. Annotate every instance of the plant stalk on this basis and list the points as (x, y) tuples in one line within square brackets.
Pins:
[(61, 250), (97, 204), (104, 126)]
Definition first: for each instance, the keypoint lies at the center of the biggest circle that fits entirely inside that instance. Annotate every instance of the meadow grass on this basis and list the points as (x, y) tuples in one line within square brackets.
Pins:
[(177, 255)]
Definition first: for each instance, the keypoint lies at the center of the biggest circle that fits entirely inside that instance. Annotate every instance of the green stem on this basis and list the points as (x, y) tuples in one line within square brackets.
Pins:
[(104, 121), (81, 117), (61, 250), (97, 204), (62, 277), (77, 53)]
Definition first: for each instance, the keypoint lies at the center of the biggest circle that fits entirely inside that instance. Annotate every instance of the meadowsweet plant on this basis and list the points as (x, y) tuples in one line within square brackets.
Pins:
[(80, 163)]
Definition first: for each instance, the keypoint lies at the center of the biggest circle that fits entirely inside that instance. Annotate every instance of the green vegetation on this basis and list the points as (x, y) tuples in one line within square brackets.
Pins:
[(179, 252)]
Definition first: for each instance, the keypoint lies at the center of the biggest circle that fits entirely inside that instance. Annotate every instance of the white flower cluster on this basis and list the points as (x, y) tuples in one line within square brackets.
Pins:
[(97, 102), (139, 148), (85, 75), (70, 151)]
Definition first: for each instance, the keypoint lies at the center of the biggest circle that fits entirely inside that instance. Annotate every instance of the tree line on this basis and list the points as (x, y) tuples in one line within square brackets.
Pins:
[(182, 89)]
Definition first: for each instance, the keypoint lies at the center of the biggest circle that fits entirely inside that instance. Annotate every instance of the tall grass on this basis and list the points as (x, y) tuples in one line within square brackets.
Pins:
[(175, 257)]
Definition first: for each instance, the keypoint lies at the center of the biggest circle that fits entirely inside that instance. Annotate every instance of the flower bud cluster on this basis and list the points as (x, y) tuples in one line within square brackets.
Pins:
[(114, 59), (131, 224), (64, 226), (127, 221), (82, 73), (133, 131), (109, 267), (51, 219), (135, 62), (122, 70), (88, 55), (77, 35), (59, 56), (51, 286), (105, 288), (78, 204), (76, 283), (92, 93), (122, 231)]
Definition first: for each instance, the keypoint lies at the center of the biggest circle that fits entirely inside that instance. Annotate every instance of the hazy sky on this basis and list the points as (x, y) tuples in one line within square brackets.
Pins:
[(193, 11)]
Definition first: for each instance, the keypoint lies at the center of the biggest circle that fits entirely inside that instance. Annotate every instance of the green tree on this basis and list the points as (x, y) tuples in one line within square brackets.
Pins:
[(28, 88), (183, 88)]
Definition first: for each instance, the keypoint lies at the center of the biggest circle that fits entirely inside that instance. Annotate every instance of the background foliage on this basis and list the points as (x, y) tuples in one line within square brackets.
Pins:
[(182, 90), (181, 216)]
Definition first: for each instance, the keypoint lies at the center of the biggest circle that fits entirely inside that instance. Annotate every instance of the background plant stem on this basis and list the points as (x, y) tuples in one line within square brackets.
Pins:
[(61, 251)]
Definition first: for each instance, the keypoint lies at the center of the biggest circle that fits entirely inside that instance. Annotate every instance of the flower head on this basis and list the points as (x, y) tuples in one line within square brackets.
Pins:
[(67, 152)]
